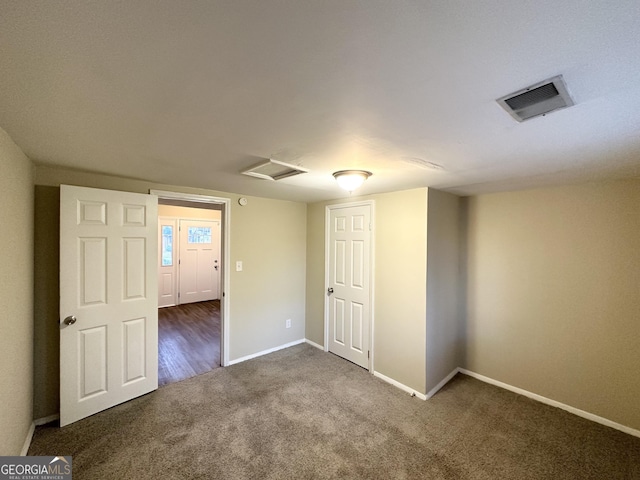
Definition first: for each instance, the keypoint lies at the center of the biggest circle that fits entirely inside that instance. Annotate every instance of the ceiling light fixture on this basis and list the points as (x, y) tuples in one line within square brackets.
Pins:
[(351, 179)]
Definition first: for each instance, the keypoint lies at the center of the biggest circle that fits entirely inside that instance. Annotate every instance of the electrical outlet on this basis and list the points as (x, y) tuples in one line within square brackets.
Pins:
[(288, 323)]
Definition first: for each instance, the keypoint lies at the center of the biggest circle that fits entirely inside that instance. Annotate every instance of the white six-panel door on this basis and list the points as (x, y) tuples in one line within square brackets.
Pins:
[(108, 299), (349, 283), (199, 260)]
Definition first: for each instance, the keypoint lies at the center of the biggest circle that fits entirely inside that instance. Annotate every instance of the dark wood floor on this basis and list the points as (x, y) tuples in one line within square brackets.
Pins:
[(188, 340)]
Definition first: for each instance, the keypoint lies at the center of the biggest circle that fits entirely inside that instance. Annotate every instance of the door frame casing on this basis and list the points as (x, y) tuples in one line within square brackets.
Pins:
[(327, 232), (225, 301)]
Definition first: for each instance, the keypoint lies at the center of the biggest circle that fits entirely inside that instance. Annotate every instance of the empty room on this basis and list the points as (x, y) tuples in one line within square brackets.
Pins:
[(320, 239)]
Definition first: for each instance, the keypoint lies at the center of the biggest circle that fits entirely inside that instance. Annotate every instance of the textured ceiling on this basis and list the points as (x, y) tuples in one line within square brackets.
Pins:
[(193, 92)]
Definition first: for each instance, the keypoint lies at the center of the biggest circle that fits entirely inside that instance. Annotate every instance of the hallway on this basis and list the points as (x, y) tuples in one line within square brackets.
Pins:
[(188, 340)]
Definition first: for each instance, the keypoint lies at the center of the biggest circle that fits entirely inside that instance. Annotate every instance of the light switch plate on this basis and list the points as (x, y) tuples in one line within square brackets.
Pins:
[(239, 266)]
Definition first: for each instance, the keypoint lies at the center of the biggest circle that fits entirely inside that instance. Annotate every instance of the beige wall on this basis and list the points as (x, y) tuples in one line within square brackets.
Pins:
[(400, 282), (553, 294), (188, 213), (445, 335), (269, 236), (16, 296), (46, 341), (315, 294)]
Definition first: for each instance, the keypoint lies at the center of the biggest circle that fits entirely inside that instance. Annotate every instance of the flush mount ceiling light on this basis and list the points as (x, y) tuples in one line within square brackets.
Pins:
[(351, 179)]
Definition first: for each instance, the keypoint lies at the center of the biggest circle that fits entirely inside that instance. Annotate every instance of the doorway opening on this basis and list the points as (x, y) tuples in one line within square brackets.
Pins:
[(193, 233)]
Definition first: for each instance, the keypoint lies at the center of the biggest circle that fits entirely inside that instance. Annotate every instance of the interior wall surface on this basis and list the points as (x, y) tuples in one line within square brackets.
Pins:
[(553, 294), (16, 296)]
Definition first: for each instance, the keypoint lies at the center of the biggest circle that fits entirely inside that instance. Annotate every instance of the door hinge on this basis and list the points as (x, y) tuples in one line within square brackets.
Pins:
[(369, 227), (368, 354), (178, 294)]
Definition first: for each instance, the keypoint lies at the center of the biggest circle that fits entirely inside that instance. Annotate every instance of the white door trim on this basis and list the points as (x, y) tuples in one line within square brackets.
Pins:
[(327, 231), (225, 301)]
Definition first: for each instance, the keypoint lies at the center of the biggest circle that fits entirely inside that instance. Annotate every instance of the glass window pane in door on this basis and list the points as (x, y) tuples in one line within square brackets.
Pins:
[(167, 245), (199, 235)]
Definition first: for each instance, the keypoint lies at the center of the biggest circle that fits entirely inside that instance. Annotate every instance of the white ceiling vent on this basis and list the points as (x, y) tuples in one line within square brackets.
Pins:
[(538, 99), (274, 170)]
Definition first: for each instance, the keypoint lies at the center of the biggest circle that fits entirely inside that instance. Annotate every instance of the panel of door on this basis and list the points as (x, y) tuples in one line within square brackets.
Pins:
[(108, 299), (199, 260), (167, 262), (349, 292)]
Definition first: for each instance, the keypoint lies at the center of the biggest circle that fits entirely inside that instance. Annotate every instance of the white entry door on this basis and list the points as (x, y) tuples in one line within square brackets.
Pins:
[(167, 262), (349, 282), (108, 299), (199, 260)]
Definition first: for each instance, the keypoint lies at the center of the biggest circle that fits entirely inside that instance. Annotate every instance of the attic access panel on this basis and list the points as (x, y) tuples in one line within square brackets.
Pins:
[(274, 170), (538, 99)]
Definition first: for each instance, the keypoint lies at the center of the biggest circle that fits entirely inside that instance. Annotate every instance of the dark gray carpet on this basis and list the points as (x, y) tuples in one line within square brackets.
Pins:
[(302, 413)]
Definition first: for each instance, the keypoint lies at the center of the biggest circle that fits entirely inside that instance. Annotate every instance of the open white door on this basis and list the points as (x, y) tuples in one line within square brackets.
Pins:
[(108, 299), (349, 281)]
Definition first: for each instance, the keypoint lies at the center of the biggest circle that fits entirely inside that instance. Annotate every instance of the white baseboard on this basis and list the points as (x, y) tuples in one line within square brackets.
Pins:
[(554, 403), (265, 352), (314, 344), (32, 429), (444, 381), (45, 420), (401, 386), (27, 441)]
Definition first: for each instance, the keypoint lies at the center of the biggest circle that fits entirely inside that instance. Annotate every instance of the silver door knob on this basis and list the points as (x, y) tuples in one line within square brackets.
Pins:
[(70, 320), (329, 291)]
